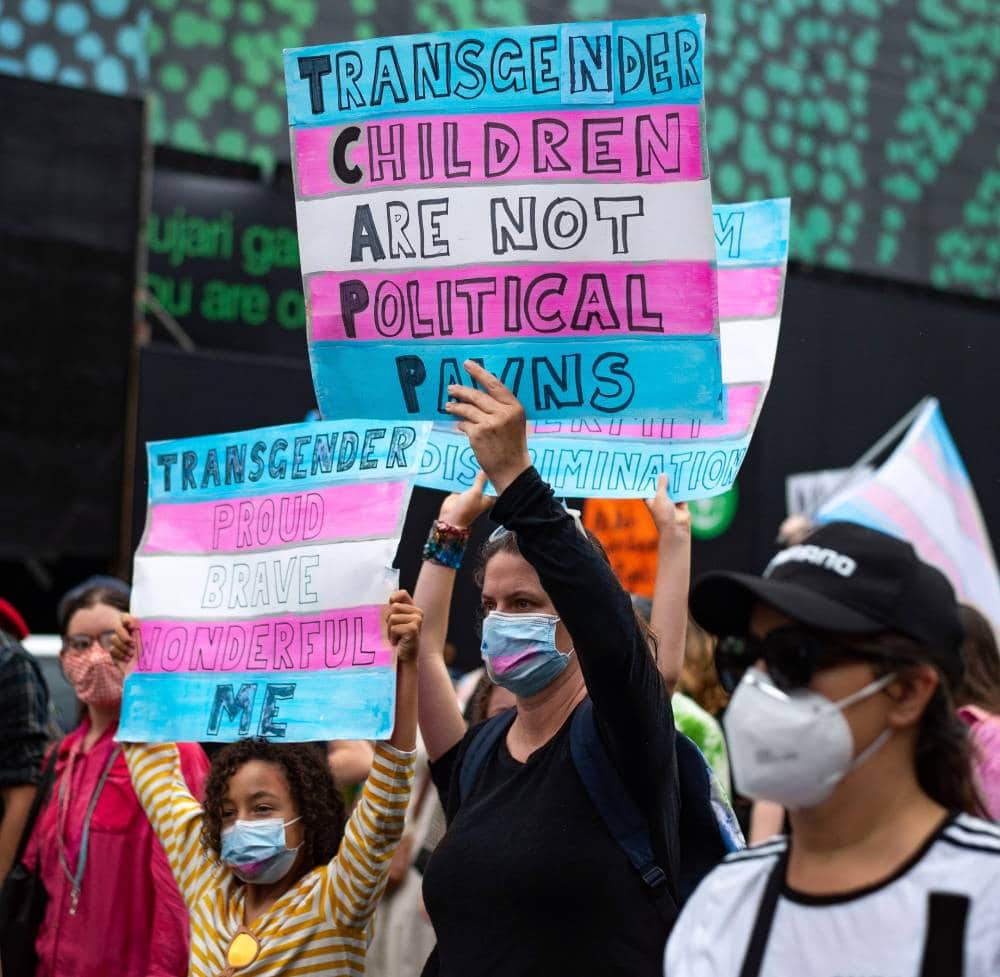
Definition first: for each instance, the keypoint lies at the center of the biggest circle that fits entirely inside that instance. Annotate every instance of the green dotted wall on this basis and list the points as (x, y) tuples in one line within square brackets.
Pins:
[(878, 117)]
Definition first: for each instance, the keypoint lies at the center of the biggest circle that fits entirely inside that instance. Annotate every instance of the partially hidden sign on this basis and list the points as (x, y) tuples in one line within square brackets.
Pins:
[(615, 458), (628, 534), (260, 583), (533, 198)]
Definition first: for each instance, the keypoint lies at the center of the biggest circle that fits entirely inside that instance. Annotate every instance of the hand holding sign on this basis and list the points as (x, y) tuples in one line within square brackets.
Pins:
[(123, 644), (494, 421), (672, 520), (403, 624)]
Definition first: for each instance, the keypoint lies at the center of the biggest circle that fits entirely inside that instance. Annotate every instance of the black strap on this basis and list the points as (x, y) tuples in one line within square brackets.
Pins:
[(765, 916), (618, 811), (480, 747), (41, 795), (944, 942)]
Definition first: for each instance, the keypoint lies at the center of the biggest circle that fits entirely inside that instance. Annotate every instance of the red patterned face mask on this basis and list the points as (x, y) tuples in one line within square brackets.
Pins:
[(94, 675)]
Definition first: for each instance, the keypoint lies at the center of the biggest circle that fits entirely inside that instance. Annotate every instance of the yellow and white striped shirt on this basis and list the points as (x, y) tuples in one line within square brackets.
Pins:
[(321, 925)]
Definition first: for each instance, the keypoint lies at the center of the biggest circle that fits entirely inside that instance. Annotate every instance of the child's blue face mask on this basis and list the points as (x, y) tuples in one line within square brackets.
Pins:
[(256, 851), (520, 652)]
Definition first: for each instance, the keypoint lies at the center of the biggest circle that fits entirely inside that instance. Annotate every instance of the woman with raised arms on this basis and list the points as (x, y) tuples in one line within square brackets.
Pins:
[(528, 879), (275, 884)]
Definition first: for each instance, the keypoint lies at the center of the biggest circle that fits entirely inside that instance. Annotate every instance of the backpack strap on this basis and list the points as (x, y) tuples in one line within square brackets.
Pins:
[(753, 959), (619, 812), (38, 801), (481, 745)]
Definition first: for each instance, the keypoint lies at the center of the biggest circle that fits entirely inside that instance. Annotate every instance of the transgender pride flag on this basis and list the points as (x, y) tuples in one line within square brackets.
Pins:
[(923, 494)]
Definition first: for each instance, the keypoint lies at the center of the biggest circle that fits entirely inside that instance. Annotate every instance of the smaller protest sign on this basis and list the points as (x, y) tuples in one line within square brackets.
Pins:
[(626, 530), (805, 492), (260, 583), (614, 458)]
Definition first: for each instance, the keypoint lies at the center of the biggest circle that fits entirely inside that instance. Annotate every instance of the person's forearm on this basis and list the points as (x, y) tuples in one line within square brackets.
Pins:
[(668, 618), (440, 717), (404, 731), (16, 807)]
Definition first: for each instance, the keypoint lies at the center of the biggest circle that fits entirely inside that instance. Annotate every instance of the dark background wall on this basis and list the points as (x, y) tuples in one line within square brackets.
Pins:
[(70, 182)]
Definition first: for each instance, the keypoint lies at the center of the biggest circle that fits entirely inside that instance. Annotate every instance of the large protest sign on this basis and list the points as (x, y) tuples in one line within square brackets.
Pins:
[(260, 582), (622, 459), (535, 198), (922, 493)]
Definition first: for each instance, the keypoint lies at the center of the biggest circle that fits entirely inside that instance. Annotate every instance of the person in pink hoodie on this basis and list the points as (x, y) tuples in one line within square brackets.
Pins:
[(113, 907), (978, 701)]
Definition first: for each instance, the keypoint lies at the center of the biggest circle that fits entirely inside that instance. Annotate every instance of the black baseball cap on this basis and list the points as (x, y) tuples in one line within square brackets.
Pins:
[(846, 579)]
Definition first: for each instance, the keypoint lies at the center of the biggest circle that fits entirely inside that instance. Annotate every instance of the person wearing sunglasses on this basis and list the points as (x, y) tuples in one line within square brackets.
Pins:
[(842, 659), (113, 906), (528, 879), (276, 885)]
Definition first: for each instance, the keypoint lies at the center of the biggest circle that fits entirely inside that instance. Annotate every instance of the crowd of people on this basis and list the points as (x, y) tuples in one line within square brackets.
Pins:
[(570, 808)]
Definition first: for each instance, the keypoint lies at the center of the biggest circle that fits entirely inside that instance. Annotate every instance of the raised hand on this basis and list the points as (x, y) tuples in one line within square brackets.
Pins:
[(124, 643), (494, 421), (671, 519), (403, 625), (462, 509)]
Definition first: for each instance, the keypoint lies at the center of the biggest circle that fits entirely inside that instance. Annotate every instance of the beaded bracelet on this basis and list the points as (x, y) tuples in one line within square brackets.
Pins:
[(446, 544)]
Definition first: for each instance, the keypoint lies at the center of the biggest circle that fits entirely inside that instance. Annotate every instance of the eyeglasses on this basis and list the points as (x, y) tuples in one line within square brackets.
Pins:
[(793, 656), (243, 951), (83, 642)]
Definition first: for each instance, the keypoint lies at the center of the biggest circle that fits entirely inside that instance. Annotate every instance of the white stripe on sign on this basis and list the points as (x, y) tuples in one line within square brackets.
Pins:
[(304, 579), (396, 230), (748, 349)]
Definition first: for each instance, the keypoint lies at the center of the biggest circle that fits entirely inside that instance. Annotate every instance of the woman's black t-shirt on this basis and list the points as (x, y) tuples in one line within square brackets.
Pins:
[(528, 880)]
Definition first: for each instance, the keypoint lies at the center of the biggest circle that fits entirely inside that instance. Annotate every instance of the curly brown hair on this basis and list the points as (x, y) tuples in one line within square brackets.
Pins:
[(316, 797)]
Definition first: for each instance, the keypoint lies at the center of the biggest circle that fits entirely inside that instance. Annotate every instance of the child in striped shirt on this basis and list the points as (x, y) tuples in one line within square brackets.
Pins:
[(273, 881)]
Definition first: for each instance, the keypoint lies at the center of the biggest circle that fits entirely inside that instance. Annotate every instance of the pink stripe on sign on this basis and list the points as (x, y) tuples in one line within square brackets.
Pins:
[(351, 638), (626, 145), (741, 403), (749, 292), (261, 521), (524, 301)]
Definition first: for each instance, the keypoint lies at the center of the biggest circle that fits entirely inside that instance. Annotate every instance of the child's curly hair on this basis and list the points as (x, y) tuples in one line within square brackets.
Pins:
[(316, 798)]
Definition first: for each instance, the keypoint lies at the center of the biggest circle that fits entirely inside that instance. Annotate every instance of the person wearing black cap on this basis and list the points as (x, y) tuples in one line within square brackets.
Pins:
[(841, 657)]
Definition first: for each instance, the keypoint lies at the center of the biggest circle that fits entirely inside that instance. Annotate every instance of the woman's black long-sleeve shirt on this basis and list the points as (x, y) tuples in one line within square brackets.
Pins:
[(528, 879)]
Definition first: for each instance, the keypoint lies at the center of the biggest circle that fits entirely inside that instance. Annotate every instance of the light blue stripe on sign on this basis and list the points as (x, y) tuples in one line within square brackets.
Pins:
[(752, 233), (288, 458), (679, 377), (629, 62), (292, 707), (600, 469)]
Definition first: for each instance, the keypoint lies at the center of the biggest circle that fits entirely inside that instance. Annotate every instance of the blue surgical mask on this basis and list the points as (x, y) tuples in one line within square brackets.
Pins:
[(256, 850), (520, 651)]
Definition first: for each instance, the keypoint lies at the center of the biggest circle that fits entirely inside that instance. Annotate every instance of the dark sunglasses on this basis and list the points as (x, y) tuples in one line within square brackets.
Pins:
[(793, 656)]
